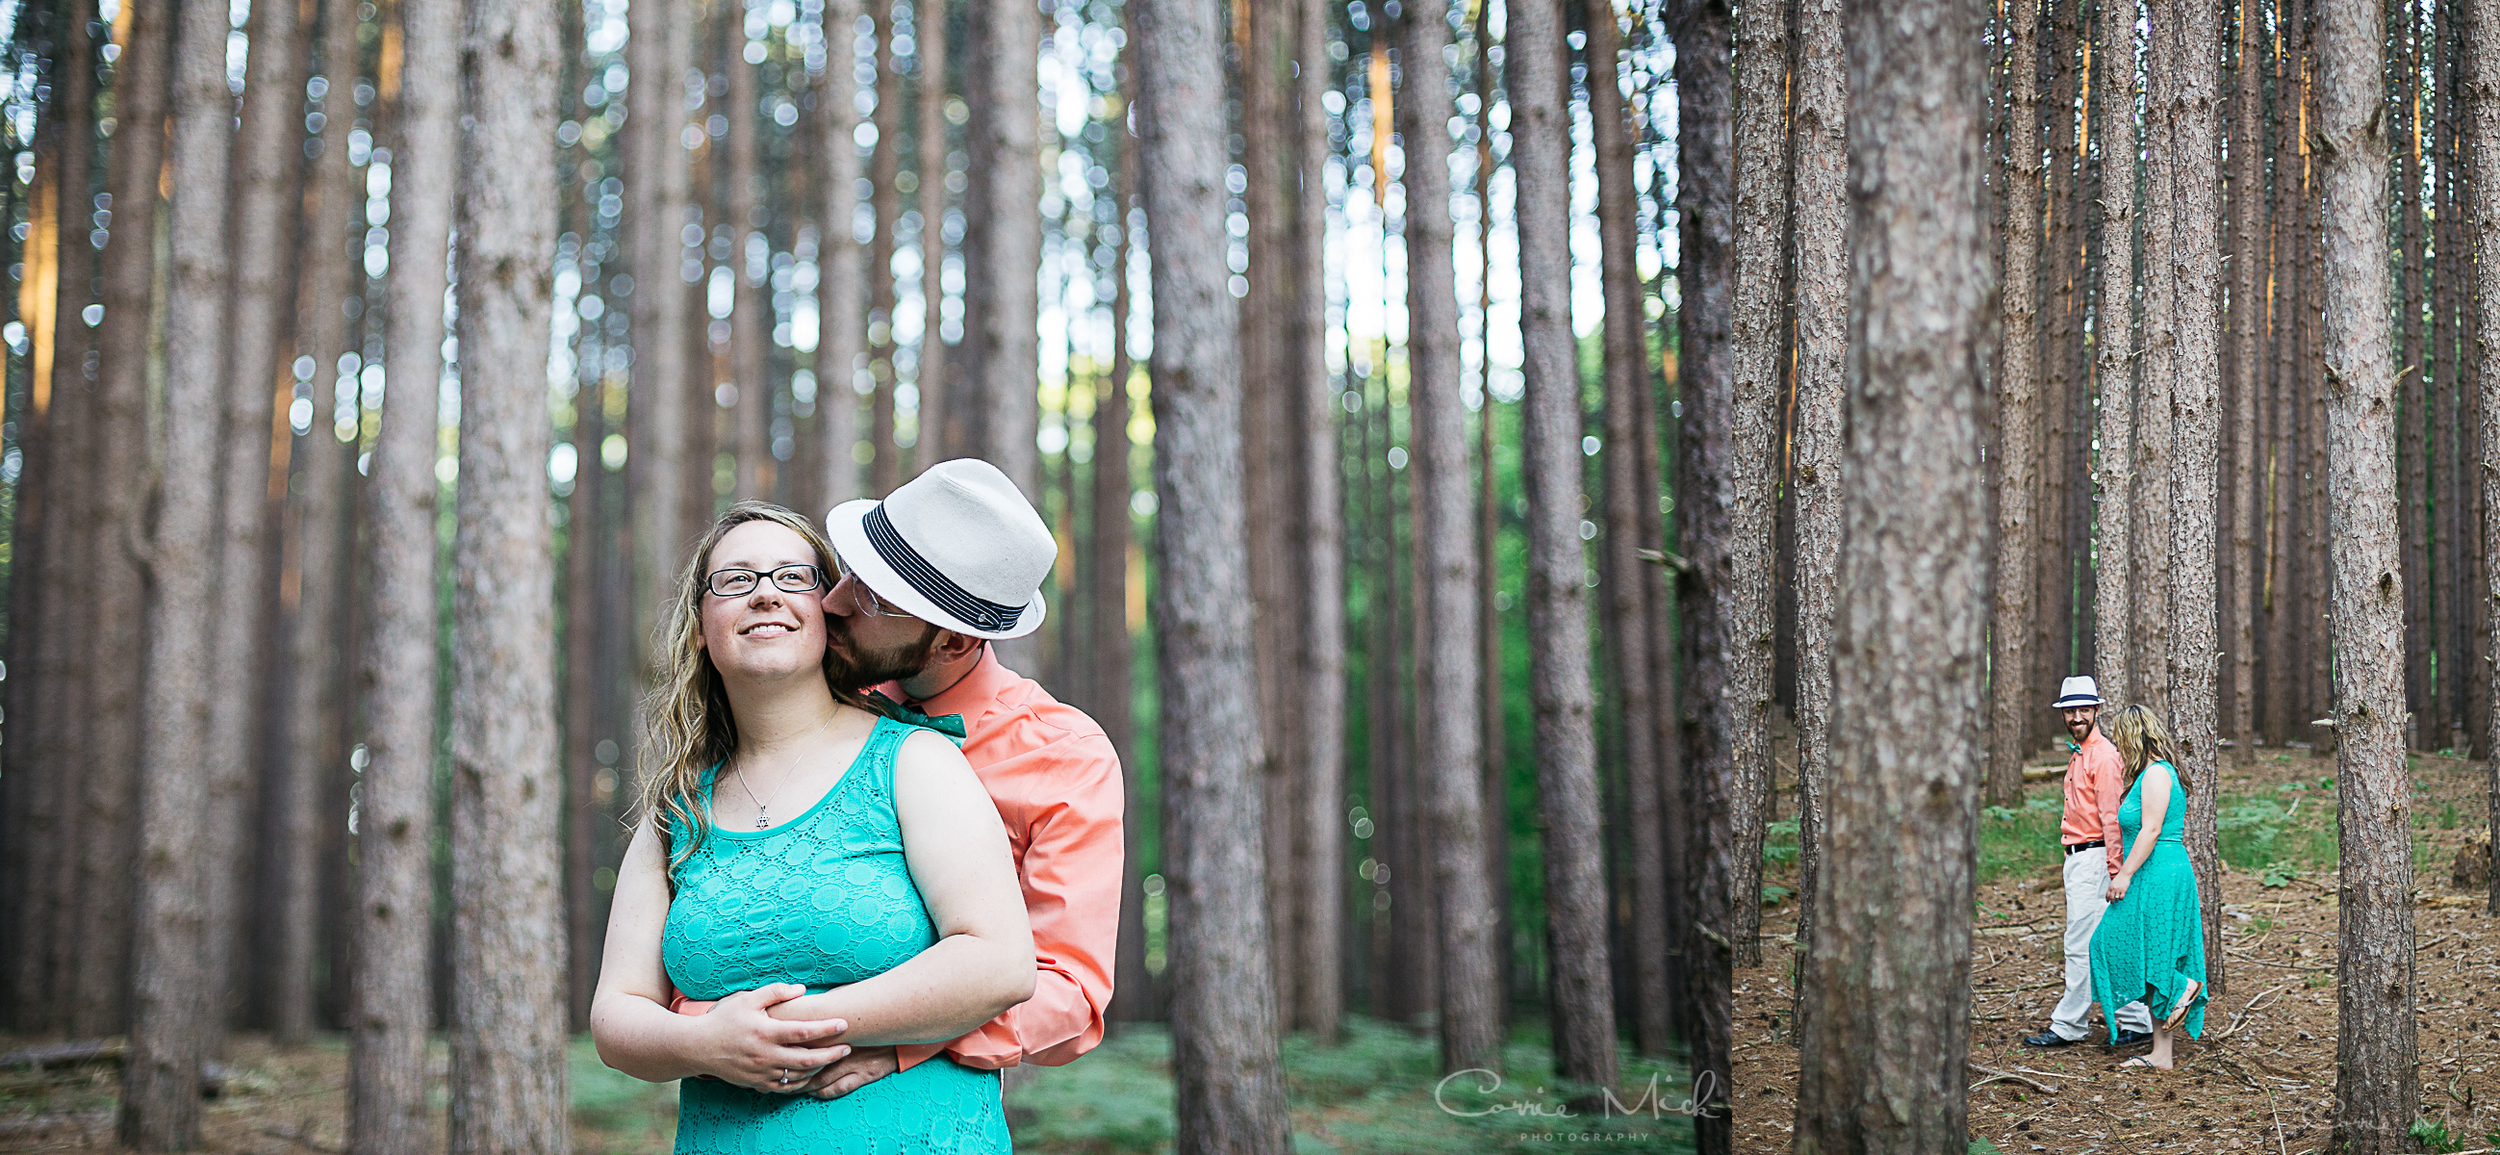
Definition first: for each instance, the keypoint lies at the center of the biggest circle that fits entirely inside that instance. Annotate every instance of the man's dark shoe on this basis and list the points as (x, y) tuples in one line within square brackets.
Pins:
[(2127, 1038), (2052, 1039)]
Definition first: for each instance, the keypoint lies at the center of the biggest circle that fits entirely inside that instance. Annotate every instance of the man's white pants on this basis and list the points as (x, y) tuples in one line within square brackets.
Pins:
[(2087, 884)]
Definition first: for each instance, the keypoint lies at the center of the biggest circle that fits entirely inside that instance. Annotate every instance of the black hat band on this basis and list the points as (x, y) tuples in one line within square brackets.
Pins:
[(978, 612)]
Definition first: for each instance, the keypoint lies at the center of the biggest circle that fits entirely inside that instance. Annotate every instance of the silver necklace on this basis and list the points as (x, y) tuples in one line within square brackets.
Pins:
[(763, 807)]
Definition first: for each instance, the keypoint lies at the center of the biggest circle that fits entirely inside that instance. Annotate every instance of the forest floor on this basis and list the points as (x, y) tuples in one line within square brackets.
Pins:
[(1375, 1094), (2263, 1078)]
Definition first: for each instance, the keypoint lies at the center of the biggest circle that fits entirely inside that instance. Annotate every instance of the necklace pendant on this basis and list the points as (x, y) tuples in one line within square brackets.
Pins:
[(761, 821)]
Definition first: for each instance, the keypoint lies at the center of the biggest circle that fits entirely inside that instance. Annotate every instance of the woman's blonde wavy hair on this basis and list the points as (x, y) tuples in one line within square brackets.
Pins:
[(2142, 739), (690, 727)]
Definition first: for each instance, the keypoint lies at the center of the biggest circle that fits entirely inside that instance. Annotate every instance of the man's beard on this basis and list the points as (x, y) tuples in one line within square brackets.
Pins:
[(852, 668)]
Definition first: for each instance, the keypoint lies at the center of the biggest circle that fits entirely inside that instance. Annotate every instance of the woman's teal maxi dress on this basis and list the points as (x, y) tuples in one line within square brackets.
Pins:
[(822, 900), (2152, 942)]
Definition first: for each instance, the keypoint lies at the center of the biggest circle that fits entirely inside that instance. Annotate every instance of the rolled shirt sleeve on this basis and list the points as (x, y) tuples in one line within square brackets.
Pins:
[(1062, 803)]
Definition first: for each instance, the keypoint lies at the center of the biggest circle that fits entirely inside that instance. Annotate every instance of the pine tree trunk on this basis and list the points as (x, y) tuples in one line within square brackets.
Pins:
[(1626, 609), (172, 1003), (1003, 243), (583, 548), (1907, 704), (2482, 98), (267, 152), (1822, 207), (886, 467), (1575, 903), (2114, 354), (1488, 512), (2375, 1087), (322, 513), (2248, 150), (1319, 671), (2017, 452), (101, 1005), (2449, 411), (1267, 448), (30, 794), (1230, 1095), (1448, 757), (842, 316), (936, 440), (2159, 360), (1106, 593), (507, 1068), (655, 430), (393, 1003), (751, 317)]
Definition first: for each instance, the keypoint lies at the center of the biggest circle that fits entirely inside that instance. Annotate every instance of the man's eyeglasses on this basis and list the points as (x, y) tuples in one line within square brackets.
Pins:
[(738, 583), (863, 599)]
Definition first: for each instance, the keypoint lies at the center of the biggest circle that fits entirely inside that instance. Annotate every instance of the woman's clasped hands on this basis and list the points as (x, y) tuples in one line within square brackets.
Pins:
[(743, 1044)]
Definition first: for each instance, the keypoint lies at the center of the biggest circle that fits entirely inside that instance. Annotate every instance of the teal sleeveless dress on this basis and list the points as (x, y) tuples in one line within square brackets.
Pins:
[(2152, 942), (822, 900)]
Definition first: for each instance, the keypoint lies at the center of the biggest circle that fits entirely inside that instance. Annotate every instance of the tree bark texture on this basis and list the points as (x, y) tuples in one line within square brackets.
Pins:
[(1448, 754), (1319, 671), (392, 1007), (1003, 239), (886, 466), (1489, 517), (1583, 998), (2158, 354), (2482, 97), (172, 1003), (119, 510), (1626, 608), (268, 168), (934, 442), (843, 318), (1739, 567), (2020, 526), (1891, 970), (1230, 1095), (2249, 293), (2193, 262), (2114, 352), (1107, 592), (655, 430), (1820, 142), (2375, 1089), (316, 746), (508, 1019)]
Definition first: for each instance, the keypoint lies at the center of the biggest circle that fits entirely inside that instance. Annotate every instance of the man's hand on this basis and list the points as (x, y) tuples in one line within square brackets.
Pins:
[(862, 1067), (746, 1046)]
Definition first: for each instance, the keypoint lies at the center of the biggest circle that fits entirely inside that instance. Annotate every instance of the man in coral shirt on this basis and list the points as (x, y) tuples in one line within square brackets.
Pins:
[(2095, 782), (950, 562)]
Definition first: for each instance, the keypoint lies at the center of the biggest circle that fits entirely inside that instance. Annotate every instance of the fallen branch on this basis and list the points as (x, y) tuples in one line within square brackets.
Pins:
[(2252, 1005), (73, 1051), (2011, 990), (2009, 1076), (2285, 966)]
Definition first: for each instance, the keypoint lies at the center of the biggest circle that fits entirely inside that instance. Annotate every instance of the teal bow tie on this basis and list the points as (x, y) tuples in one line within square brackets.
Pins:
[(951, 725)]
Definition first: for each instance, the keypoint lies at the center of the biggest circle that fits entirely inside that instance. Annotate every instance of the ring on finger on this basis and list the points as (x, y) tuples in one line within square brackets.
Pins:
[(782, 1076)]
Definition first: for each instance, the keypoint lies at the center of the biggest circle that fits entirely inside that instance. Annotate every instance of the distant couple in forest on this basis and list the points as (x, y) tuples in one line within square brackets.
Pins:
[(834, 925), (2135, 932)]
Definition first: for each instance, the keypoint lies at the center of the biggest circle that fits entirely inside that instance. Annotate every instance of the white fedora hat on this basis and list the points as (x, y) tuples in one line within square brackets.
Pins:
[(2074, 692), (957, 546)]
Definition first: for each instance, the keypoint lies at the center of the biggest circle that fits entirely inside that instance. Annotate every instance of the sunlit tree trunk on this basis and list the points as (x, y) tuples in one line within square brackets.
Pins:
[(2114, 352), (2158, 359), (1002, 246), (2482, 97), (1447, 757), (2376, 1092), (842, 334), (393, 1002), (507, 1067), (1230, 1094), (1907, 704), (1583, 1001), (116, 581), (172, 1002), (1319, 673), (2020, 528), (1821, 146), (315, 749), (1626, 609), (268, 171)]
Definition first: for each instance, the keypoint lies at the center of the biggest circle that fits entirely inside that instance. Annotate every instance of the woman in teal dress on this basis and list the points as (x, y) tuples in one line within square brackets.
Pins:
[(833, 876), (2151, 943)]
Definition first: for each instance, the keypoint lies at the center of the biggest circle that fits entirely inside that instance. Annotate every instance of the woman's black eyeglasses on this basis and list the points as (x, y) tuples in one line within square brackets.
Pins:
[(738, 583)]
